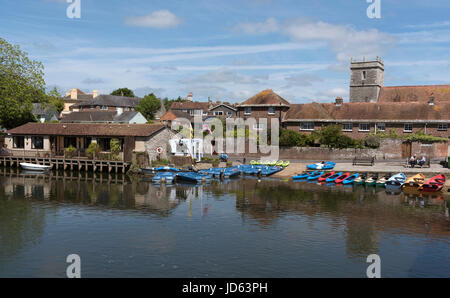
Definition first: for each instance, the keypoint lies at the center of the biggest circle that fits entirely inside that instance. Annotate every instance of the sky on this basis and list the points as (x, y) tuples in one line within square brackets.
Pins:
[(231, 49)]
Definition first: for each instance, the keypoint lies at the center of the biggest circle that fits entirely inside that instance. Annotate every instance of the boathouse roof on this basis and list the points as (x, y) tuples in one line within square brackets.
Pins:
[(86, 129)]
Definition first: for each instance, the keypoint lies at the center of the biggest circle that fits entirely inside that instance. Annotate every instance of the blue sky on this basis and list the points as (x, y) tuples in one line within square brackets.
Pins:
[(230, 50)]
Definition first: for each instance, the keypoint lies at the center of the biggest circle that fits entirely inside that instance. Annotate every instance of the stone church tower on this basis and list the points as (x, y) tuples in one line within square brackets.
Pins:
[(366, 80)]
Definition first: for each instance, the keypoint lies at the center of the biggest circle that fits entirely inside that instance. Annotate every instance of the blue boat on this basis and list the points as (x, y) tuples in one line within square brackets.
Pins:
[(304, 175), (396, 180), (268, 171), (250, 169), (167, 177), (328, 165), (231, 172), (166, 169), (192, 177), (315, 175), (331, 179), (350, 179)]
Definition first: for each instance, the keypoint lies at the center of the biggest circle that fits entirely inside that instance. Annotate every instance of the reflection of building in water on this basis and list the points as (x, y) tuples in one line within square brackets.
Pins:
[(362, 213)]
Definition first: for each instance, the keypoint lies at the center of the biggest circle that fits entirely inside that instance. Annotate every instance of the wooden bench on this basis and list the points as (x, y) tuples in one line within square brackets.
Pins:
[(367, 161)]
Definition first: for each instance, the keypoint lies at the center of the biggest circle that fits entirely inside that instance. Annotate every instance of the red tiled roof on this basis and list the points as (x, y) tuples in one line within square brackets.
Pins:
[(86, 129), (414, 93), (370, 111), (189, 105), (174, 114), (266, 97)]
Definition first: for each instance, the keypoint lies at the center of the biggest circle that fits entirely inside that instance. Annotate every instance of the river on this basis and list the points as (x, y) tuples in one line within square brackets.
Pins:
[(122, 227)]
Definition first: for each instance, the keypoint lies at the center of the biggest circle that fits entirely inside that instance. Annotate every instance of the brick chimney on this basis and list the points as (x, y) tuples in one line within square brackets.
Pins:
[(218, 102), (339, 101), (94, 93)]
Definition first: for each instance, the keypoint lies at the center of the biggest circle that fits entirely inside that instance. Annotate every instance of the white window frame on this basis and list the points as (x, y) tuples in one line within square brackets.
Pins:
[(248, 113), (379, 129), (363, 130), (104, 108), (218, 113), (229, 113), (256, 126), (346, 129), (273, 111), (407, 130), (305, 126), (442, 127)]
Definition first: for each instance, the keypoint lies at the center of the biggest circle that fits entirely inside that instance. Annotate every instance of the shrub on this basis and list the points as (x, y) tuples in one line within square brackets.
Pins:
[(93, 150), (115, 149), (372, 141), (290, 138), (70, 151), (229, 163), (215, 163)]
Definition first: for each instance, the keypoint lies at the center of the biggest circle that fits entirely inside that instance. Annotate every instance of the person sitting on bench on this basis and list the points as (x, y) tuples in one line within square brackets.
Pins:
[(422, 161), (413, 161)]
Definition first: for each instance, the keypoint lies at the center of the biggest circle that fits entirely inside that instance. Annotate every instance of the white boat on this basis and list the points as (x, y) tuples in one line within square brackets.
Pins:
[(34, 167)]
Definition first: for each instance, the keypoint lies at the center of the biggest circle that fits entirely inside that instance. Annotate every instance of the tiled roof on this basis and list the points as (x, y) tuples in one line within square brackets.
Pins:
[(266, 97), (94, 116), (370, 111), (87, 129), (174, 114), (189, 105), (111, 101), (414, 93)]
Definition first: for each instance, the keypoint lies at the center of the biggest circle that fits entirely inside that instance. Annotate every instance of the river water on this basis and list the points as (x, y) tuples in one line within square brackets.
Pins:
[(123, 227)]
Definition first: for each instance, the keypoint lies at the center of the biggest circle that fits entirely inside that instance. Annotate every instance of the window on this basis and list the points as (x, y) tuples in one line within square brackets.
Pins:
[(229, 113), (408, 127), (19, 142), (70, 141), (87, 142), (92, 107), (364, 75), (218, 113), (271, 111), (259, 126), (104, 108), (37, 143), (127, 109), (248, 111), (381, 126), (442, 126), (307, 126), (364, 127), (347, 127)]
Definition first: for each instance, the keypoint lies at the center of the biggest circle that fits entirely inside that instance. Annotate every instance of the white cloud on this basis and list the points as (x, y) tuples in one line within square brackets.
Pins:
[(432, 25), (223, 76), (160, 19), (343, 40), (302, 80)]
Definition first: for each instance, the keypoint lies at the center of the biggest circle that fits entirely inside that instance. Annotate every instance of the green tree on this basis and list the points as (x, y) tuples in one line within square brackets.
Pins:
[(54, 98), (148, 106), (290, 138), (21, 84), (329, 135), (123, 92)]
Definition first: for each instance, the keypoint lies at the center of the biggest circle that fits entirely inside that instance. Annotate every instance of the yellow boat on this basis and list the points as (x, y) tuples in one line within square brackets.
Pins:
[(415, 181)]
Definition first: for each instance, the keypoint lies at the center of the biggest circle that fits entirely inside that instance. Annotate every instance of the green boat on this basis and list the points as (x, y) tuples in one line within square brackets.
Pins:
[(280, 163), (360, 180), (381, 182), (286, 164), (372, 181)]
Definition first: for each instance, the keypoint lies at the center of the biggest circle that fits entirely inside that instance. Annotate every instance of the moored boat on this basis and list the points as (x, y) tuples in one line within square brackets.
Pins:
[(396, 180), (315, 175), (328, 165), (333, 178), (324, 177), (415, 181), (381, 181), (341, 178), (350, 179), (34, 167), (192, 177), (360, 180), (372, 180), (303, 175), (167, 177), (434, 184)]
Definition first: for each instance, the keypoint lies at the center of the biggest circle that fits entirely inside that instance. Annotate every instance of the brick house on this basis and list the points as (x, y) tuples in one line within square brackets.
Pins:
[(50, 139), (265, 104)]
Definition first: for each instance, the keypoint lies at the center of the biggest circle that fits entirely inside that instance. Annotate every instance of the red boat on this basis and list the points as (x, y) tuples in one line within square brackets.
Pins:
[(325, 176), (341, 178), (434, 184)]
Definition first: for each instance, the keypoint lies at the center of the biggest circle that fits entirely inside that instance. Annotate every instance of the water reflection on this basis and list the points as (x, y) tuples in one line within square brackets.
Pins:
[(290, 215)]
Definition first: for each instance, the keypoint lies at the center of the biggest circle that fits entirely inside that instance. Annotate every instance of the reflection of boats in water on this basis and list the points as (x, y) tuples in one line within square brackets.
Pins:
[(34, 167), (393, 189), (34, 173)]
